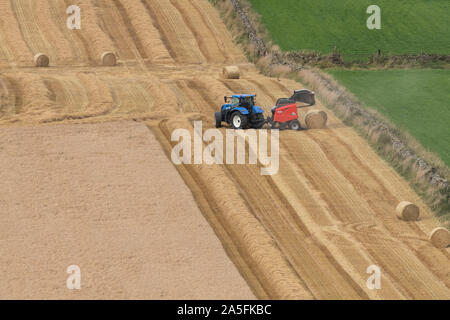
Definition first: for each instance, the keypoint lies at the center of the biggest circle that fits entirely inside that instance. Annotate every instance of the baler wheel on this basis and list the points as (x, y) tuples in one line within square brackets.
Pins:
[(294, 125)]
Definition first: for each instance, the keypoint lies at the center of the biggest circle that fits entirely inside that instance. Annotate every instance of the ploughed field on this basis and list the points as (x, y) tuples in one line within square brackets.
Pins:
[(309, 231), (103, 197)]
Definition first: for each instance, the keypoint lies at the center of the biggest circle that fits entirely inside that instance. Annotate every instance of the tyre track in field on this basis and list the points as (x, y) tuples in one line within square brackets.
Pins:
[(377, 242), (210, 207), (254, 244), (324, 278), (406, 293), (300, 209), (92, 34), (369, 187), (131, 29), (51, 33), (222, 36), (116, 30), (15, 46), (382, 199), (345, 203), (314, 213), (207, 42), (29, 27), (179, 38), (141, 28), (79, 47)]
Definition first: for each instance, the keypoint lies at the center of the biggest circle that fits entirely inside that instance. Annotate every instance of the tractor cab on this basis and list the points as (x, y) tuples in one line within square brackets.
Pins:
[(246, 101)]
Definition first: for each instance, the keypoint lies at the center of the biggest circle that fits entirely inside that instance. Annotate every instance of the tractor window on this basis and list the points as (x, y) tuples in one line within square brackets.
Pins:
[(247, 102), (234, 102)]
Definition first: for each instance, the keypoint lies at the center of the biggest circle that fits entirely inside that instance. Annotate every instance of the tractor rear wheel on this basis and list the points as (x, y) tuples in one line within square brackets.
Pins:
[(257, 121), (218, 117), (238, 121), (294, 125)]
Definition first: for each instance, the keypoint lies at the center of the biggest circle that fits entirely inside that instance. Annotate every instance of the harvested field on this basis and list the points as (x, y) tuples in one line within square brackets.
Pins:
[(308, 232), (105, 198)]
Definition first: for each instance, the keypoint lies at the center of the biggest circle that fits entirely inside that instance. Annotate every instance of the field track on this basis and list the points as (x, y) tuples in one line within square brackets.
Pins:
[(310, 231)]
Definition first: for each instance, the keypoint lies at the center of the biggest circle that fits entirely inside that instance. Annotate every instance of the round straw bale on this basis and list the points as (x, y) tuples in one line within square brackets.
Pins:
[(440, 238), (324, 115), (231, 72), (315, 119), (41, 60), (407, 211), (109, 59)]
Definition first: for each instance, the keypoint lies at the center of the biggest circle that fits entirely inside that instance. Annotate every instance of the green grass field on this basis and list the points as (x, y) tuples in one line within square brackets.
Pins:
[(415, 100), (418, 100), (407, 26)]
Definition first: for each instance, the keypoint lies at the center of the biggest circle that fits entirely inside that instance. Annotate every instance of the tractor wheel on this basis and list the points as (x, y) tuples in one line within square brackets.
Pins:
[(294, 125), (238, 120), (218, 117), (258, 121)]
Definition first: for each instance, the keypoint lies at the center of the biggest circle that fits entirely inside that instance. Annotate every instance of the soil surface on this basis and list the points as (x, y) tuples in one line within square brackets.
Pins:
[(106, 198)]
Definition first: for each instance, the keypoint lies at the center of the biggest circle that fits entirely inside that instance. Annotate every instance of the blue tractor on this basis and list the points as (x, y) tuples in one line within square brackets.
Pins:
[(240, 112)]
